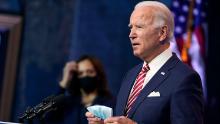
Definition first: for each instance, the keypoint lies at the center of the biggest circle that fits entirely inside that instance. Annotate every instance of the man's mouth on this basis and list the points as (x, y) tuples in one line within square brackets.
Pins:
[(135, 44)]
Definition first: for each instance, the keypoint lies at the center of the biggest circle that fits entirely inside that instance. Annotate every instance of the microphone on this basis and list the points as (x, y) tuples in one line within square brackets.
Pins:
[(48, 104)]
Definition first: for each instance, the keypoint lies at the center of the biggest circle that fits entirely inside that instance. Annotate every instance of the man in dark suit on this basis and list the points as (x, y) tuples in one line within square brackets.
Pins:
[(162, 89)]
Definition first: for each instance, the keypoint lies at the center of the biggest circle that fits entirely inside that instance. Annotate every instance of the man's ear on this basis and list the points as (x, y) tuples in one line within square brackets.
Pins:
[(163, 33)]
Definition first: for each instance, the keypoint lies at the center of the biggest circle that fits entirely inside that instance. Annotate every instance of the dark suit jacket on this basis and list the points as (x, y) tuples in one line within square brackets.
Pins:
[(180, 101)]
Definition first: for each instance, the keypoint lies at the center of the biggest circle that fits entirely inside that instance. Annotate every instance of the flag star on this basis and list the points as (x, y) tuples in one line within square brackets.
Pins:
[(178, 29), (176, 4), (195, 12), (198, 1), (182, 18), (185, 8)]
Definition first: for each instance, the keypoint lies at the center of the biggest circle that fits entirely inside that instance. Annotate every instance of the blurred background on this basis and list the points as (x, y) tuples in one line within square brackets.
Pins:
[(37, 38)]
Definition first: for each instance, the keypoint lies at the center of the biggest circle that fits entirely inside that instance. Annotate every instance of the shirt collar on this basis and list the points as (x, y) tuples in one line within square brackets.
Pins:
[(160, 60)]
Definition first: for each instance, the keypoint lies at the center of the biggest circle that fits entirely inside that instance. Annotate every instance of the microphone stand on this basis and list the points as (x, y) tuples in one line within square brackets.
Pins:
[(38, 111)]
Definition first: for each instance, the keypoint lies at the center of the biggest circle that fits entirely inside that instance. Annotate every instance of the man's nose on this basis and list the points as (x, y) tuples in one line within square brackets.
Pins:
[(132, 34)]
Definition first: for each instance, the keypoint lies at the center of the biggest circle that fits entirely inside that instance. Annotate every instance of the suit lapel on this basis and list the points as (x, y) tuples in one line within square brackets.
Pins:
[(157, 79), (127, 85)]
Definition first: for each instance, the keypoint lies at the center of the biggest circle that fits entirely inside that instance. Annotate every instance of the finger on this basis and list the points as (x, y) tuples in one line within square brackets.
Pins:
[(91, 118), (95, 123), (111, 120), (115, 120), (89, 114), (70, 66), (94, 119), (112, 123)]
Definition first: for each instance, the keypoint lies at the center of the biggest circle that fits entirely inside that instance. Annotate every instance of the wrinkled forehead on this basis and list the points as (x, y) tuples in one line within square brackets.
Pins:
[(142, 14)]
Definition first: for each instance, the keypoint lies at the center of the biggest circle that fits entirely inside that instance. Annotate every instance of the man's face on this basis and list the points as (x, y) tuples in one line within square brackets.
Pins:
[(144, 35)]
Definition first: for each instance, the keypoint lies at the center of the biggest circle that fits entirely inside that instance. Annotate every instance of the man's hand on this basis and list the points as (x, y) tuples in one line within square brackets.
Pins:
[(68, 70), (119, 120), (92, 119)]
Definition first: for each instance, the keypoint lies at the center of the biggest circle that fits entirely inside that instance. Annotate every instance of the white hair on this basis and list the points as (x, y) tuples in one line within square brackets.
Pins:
[(162, 15)]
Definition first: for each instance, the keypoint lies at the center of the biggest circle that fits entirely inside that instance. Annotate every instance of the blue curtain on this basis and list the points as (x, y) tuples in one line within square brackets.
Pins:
[(57, 31)]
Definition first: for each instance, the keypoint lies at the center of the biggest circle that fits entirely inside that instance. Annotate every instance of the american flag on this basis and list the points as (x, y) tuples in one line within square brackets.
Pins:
[(191, 34)]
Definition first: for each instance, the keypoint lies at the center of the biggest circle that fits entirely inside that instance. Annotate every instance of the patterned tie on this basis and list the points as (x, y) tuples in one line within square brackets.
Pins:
[(137, 88)]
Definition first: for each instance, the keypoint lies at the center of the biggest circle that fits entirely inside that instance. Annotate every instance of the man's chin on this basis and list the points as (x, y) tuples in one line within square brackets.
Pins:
[(136, 54), (139, 55)]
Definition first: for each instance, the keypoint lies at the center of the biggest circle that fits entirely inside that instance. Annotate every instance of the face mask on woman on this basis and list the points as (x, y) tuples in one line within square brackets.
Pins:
[(88, 84)]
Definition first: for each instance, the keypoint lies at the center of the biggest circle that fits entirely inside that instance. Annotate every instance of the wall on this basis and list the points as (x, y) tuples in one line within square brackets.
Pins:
[(56, 31)]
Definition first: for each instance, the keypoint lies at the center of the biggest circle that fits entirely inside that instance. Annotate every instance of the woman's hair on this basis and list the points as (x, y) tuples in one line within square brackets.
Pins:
[(102, 84)]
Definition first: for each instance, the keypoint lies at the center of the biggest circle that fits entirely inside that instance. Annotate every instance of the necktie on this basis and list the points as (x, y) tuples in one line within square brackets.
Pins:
[(136, 88)]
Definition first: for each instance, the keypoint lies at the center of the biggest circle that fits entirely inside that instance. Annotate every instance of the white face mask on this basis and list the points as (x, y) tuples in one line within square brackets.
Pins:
[(100, 111)]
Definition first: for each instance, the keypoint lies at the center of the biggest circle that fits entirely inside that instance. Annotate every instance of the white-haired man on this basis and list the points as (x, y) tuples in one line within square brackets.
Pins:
[(162, 89)]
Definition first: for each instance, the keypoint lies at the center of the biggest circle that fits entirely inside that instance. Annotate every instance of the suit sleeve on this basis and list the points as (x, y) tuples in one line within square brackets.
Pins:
[(187, 102)]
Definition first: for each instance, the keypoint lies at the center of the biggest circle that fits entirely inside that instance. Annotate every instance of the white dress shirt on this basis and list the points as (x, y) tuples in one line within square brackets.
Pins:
[(156, 64)]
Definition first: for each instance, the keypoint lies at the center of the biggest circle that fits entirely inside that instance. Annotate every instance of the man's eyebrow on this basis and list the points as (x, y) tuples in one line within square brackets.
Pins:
[(129, 25)]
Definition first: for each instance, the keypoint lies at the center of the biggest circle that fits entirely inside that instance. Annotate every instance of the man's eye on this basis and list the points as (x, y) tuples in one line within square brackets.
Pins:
[(139, 26)]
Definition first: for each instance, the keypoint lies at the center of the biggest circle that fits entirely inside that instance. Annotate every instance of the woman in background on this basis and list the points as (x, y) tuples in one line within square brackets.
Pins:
[(84, 83)]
